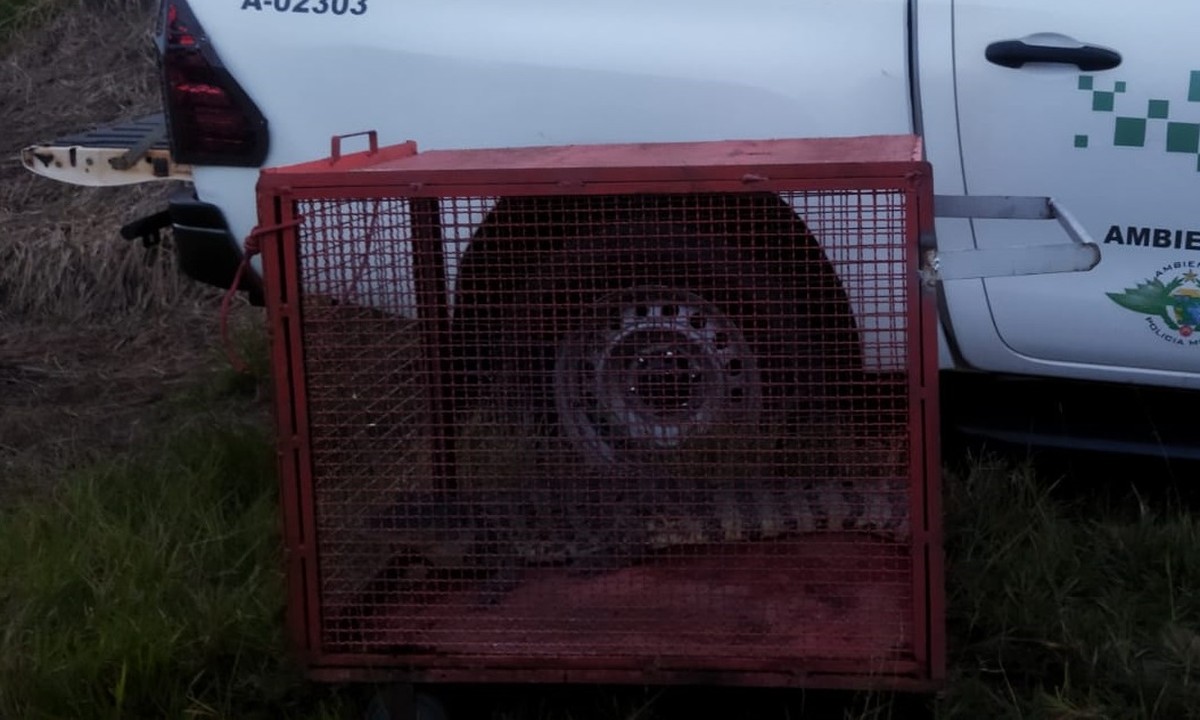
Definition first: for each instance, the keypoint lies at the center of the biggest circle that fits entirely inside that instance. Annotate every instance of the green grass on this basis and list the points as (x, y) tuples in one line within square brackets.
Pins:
[(150, 586), (1070, 608), (14, 12)]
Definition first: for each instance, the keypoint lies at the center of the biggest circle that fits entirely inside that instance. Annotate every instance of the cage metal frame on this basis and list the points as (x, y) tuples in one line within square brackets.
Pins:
[(877, 163)]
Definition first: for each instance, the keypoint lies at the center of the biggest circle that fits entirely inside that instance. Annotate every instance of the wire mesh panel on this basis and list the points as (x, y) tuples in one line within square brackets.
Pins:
[(675, 428)]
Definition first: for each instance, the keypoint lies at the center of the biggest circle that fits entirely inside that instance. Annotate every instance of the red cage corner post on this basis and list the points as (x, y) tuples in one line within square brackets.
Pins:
[(622, 413)]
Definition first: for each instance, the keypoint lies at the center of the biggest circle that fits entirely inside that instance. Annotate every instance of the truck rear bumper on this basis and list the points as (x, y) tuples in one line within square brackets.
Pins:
[(207, 250), (137, 151), (119, 154)]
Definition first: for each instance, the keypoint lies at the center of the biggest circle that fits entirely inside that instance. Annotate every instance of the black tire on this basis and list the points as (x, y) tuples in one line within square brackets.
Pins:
[(537, 267), (399, 703)]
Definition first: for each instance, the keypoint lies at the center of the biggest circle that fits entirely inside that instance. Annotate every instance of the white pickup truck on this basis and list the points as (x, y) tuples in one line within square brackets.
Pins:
[(1089, 102)]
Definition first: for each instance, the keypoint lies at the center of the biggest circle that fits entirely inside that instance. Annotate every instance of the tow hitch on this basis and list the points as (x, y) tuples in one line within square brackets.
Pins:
[(149, 229)]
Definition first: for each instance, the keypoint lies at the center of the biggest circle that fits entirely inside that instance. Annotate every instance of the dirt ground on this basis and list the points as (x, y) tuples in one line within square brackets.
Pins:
[(97, 335)]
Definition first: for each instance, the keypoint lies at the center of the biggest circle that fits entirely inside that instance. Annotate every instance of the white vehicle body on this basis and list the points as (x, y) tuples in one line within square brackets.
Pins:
[(1118, 146)]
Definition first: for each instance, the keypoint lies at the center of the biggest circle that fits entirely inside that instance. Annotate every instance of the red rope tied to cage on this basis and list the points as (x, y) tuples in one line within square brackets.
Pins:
[(252, 247)]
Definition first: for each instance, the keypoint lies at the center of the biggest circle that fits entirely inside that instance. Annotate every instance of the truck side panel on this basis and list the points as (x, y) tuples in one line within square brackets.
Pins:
[(469, 73)]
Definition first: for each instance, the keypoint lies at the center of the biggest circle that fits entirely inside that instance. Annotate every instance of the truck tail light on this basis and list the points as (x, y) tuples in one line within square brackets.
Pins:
[(211, 119)]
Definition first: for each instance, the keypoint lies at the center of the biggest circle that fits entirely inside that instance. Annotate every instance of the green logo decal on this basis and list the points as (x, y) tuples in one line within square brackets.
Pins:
[(1170, 301), (1130, 130)]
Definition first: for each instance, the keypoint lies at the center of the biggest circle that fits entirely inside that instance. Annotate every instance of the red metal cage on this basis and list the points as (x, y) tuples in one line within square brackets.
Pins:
[(621, 413)]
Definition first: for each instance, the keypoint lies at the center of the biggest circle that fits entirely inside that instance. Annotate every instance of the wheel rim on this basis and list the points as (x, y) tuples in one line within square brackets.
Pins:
[(650, 368)]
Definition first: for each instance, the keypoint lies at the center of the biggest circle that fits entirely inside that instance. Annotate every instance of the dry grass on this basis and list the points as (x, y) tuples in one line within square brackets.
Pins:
[(78, 393), (94, 332), (60, 254)]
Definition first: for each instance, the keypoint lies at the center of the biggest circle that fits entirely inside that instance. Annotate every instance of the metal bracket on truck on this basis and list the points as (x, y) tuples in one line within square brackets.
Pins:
[(1079, 255)]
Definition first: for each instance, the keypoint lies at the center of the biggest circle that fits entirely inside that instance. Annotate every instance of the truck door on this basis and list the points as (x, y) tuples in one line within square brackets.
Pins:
[(1096, 103)]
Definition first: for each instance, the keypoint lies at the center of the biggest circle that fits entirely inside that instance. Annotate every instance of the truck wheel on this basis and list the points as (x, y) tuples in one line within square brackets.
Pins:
[(634, 324), (398, 702)]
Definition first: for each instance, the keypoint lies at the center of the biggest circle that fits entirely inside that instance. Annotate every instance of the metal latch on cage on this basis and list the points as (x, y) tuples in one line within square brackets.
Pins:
[(1082, 253)]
